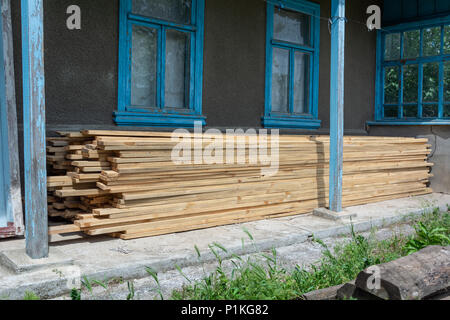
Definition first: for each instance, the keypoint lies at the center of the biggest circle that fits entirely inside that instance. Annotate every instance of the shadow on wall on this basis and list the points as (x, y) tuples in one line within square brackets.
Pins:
[(438, 137), (440, 156)]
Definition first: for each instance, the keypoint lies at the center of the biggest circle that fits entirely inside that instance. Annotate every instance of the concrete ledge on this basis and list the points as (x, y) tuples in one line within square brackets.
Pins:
[(331, 215), (19, 262), (99, 259)]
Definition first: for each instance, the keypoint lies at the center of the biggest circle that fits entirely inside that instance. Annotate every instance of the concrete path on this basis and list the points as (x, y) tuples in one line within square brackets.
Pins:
[(105, 258)]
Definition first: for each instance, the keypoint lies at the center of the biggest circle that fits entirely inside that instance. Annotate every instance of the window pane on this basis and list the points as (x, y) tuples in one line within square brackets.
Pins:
[(291, 26), (391, 112), (431, 82), (430, 111), (411, 44), (447, 81), (301, 83), (432, 41), (171, 10), (410, 83), (447, 111), (280, 80), (410, 111), (177, 69), (446, 39), (391, 85), (392, 47), (143, 69)]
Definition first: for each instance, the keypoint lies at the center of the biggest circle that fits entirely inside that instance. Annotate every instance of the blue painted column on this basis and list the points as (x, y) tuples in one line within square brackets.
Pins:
[(337, 103), (36, 219)]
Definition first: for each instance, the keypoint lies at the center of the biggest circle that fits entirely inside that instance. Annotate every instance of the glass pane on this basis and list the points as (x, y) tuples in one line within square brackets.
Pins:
[(170, 10), (391, 112), (280, 80), (391, 85), (301, 83), (447, 111), (291, 26), (411, 44), (177, 69), (431, 82), (410, 111), (432, 41), (410, 83), (143, 68), (447, 81), (392, 47), (430, 111), (446, 39)]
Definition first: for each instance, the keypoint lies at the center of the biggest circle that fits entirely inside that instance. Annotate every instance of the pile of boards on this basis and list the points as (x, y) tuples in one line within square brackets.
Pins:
[(126, 184)]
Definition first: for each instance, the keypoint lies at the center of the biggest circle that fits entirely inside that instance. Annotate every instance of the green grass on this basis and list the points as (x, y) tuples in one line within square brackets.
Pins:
[(262, 278), (29, 295)]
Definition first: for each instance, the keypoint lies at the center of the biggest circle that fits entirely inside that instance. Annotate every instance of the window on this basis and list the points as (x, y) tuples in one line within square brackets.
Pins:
[(160, 63), (413, 80), (292, 64)]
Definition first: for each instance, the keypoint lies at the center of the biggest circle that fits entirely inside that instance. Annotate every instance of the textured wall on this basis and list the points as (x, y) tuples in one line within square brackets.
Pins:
[(81, 65), (81, 70)]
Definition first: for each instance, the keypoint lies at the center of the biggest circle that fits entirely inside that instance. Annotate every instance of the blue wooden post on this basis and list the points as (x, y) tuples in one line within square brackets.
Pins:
[(337, 103), (36, 232)]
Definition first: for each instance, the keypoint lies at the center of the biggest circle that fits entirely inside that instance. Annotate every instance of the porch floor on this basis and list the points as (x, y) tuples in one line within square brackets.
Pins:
[(104, 258)]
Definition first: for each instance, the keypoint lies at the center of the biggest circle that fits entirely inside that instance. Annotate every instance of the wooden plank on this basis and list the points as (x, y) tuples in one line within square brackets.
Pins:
[(145, 187), (67, 228)]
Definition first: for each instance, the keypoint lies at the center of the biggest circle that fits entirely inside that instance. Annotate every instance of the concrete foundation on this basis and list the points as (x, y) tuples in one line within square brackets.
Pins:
[(103, 258), (328, 214), (18, 261)]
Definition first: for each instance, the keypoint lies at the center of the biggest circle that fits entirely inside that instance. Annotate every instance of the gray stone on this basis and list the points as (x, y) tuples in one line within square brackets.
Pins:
[(417, 276), (322, 294), (19, 262)]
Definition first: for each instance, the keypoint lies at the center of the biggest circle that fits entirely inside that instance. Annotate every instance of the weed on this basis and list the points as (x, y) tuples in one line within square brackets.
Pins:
[(262, 278), (30, 295), (154, 275), (130, 295), (75, 294)]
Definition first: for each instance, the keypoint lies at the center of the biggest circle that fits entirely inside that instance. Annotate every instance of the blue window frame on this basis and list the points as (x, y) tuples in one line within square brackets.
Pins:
[(413, 74), (160, 63), (292, 64)]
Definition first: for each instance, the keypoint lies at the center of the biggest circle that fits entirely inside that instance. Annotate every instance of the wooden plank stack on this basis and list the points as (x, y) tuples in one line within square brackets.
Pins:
[(135, 189), (65, 164)]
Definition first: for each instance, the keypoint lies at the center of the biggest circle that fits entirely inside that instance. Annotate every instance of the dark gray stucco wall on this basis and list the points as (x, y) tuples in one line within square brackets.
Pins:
[(234, 62), (234, 77), (81, 65), (81, 70)]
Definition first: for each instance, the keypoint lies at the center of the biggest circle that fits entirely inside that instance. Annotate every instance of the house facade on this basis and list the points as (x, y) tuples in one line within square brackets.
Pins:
[(244, 64)]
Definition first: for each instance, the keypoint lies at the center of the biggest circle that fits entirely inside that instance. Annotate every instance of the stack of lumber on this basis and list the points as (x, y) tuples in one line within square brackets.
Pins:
[(140, 192), (66, 162)]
